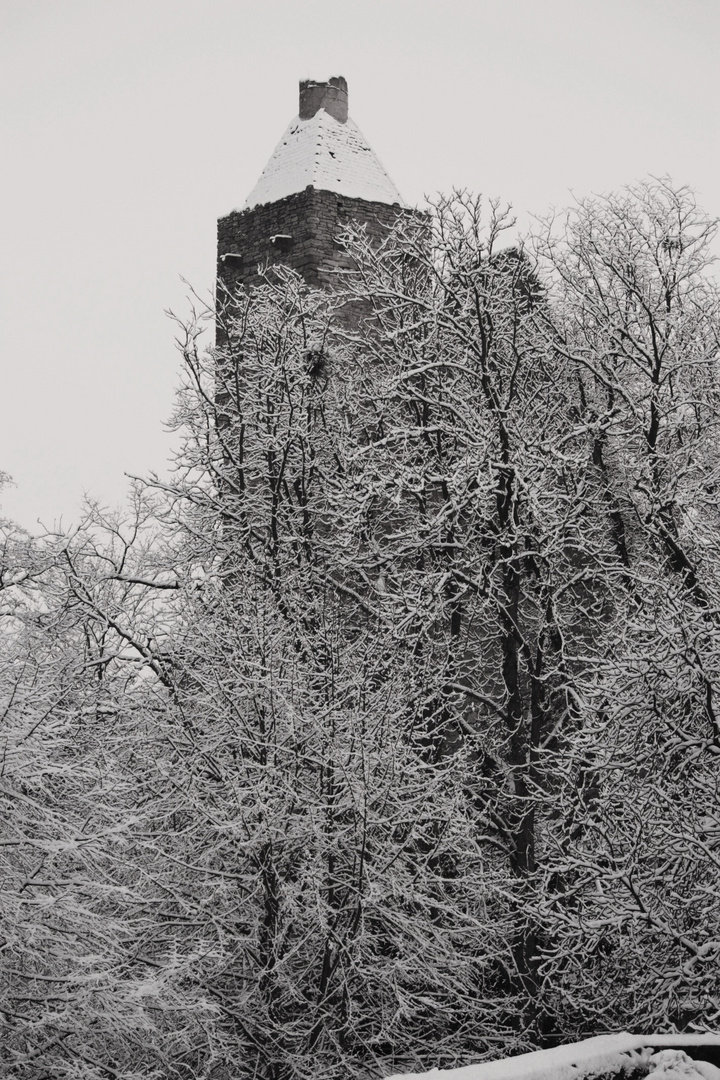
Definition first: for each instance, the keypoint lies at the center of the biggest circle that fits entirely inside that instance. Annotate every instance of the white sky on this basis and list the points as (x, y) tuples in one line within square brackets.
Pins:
[(128, 127)]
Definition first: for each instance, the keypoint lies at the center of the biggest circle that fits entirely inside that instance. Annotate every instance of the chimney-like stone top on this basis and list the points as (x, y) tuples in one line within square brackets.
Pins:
[(332, 96), (323, 149)]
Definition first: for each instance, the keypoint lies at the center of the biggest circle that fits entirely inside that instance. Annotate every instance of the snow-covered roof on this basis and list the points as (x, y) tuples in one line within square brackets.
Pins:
[(597, 1056), (324, 153)]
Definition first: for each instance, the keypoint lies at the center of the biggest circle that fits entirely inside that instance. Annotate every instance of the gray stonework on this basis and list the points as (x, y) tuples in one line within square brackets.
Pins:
[(299, 231), (332, 96)]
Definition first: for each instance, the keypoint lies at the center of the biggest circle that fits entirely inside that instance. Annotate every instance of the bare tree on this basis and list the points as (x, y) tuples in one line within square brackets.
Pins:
[(81, 995), (635, 313), (384, 734)]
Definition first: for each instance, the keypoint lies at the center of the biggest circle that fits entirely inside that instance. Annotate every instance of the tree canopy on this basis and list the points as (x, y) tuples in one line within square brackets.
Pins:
[(384, 735)]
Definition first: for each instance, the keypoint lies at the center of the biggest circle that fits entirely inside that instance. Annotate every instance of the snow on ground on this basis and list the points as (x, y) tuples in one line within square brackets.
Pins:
[(323, 153), (592, 1057), (676, 1065)]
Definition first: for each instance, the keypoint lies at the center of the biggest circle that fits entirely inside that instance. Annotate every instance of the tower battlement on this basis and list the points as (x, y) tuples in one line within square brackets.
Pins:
[(321, 176)]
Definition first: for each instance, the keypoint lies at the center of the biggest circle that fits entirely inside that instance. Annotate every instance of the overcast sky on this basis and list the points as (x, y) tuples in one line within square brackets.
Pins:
[(129, 127)]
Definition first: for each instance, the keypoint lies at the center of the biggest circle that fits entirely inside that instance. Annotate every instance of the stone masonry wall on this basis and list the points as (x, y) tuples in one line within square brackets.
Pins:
[(311, 219)]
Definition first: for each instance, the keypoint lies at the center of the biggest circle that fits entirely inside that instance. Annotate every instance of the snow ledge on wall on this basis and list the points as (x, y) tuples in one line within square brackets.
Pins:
[(600, 1055)]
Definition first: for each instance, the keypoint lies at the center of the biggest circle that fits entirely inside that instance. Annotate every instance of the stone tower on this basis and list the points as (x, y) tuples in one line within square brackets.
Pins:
[(321, 176)]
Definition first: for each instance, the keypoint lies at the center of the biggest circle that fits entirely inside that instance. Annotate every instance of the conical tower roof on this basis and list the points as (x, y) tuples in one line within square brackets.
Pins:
[(324, 149)]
